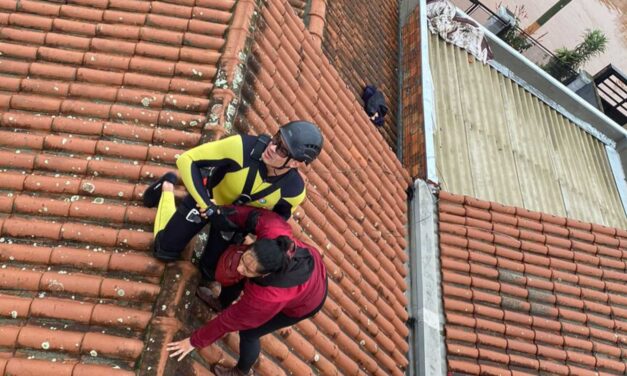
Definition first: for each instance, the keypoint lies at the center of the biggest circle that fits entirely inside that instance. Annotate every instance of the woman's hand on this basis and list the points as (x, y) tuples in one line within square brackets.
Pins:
[(182, 348)]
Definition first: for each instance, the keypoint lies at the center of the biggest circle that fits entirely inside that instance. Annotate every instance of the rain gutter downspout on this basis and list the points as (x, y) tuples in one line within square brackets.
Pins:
[(427, 354)]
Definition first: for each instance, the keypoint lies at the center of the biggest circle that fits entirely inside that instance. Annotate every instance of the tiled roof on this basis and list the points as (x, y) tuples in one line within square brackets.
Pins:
[(528, 292), (299, 7), (99, 97), (361, 41), (355, 212)]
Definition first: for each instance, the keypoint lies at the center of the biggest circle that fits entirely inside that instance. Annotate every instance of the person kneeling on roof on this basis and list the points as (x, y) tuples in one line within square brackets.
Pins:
[(284, 281), (260, 171)]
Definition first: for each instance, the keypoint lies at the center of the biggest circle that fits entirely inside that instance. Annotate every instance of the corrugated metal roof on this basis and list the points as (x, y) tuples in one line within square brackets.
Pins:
[(498, 142)]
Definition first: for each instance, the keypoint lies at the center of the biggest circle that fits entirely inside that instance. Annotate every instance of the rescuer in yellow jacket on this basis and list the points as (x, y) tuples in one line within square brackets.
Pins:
[(244, 170)]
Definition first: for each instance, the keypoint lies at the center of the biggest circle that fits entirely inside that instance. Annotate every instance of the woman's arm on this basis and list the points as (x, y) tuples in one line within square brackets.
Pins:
[(251, 311)]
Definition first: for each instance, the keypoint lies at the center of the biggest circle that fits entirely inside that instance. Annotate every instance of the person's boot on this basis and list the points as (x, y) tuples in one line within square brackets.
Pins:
[(160, 254), (152, 194), (225, 371), (206, 295)]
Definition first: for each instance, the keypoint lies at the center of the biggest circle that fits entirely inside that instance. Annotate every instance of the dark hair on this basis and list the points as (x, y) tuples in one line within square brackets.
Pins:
[(272, 254)]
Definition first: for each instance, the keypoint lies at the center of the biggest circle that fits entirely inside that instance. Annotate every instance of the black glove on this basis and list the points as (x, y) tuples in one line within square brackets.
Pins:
[(220, 221)]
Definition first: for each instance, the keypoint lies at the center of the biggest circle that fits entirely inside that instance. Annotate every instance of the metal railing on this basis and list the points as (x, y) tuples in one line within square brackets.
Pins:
[(507, 30), (612, 88)]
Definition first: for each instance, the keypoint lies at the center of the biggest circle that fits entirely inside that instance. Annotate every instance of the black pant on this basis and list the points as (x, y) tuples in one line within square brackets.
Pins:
[(178, 232), (249, 345)]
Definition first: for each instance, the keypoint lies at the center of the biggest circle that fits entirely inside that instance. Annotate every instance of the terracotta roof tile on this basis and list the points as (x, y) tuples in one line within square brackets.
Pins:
[(165, 55), (564, 272)]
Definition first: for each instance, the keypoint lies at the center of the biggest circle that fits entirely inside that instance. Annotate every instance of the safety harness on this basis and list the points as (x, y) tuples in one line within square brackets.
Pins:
[(247, 196)]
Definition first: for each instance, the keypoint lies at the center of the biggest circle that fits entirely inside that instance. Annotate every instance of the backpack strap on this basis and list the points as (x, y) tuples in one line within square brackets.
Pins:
[(255, 155)]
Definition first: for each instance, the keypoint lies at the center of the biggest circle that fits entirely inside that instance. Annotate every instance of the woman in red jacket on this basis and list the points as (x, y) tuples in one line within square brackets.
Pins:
[(284, 281)]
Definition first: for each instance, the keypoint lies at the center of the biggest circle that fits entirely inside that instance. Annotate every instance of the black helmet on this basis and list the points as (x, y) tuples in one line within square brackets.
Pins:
[(302, 139)]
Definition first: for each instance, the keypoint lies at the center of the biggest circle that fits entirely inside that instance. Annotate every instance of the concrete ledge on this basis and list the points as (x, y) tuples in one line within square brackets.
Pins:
[(428, 355)]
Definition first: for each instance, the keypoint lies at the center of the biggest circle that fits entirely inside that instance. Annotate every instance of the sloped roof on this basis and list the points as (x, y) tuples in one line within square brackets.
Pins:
[(98, 98), (528, 292), (497, 141), (361, 41)]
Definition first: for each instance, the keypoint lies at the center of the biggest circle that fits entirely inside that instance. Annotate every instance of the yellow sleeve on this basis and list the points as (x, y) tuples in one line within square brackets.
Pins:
[(211, 154), (297, 200)]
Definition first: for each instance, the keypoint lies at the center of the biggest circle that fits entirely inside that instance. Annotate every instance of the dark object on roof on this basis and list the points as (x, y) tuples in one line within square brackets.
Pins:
[(374, 104)]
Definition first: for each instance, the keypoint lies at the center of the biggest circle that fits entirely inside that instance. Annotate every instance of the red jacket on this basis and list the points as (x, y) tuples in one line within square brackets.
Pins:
[(258, 304)]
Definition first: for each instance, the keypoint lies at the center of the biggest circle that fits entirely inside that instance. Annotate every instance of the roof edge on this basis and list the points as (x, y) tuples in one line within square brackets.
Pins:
[(427, 351)]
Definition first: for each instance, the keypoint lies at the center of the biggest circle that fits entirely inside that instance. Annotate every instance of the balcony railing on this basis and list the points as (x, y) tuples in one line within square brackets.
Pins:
[(612, 88), (507, 30)]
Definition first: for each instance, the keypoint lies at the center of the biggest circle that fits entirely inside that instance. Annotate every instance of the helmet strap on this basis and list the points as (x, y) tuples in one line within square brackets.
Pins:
[(285, 164)]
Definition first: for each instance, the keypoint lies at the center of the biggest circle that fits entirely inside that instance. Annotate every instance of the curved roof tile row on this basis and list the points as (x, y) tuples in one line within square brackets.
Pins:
[(95, 96), (526, 292), (355, 211), (102, 94)]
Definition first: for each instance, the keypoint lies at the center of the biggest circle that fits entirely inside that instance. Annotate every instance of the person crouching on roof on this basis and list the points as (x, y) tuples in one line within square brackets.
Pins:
[(260, 171), (283, 280)]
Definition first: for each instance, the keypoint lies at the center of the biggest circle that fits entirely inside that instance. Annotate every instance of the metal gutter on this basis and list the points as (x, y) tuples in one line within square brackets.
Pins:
[(619, 175), (428, 95)]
